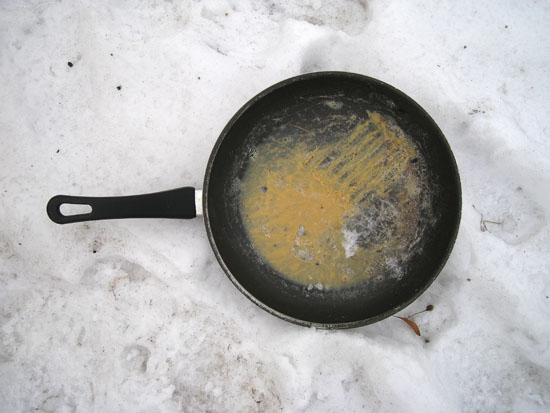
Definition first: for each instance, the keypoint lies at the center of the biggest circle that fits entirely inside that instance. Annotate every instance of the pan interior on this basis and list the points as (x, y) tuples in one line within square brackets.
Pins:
[(332, 199), (331, 209)]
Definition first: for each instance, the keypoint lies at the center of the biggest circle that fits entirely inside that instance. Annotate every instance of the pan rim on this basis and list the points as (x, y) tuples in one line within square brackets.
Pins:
[(343, 325)]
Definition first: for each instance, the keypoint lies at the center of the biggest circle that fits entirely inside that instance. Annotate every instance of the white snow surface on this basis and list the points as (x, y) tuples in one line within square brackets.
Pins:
[(137, 316), (350, 242)]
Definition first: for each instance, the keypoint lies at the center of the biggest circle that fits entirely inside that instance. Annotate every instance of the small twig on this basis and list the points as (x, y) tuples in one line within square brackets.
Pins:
[(489, 222), (428, 308), (411, 323), (483, 222)]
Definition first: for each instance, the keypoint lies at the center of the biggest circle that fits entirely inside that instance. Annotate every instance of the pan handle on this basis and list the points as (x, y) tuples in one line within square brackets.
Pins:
[(175, 203)]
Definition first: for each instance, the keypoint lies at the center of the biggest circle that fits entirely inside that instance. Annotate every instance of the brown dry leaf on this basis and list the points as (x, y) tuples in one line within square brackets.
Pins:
[(411, 323)]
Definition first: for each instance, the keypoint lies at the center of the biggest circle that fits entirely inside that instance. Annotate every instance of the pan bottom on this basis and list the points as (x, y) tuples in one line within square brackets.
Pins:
[(331, 207)]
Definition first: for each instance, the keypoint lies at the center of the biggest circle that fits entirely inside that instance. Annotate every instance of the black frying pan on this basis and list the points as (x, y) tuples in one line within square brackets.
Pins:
[(360, 162)]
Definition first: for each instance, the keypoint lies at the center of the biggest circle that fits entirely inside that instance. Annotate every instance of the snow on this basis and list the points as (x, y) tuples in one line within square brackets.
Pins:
[(136, 315), (350, 242)]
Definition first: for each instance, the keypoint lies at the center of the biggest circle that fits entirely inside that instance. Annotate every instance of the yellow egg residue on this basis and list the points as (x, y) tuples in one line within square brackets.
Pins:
[(328, 215)]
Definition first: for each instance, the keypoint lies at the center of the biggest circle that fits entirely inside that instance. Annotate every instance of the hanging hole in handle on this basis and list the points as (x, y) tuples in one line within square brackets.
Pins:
[(75, 209)]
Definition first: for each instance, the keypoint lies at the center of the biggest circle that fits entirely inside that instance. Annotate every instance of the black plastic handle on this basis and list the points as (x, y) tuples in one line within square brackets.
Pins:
[(176, 203)]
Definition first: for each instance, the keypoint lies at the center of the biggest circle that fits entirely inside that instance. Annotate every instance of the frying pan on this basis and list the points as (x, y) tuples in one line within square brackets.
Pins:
[(349, 141)]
